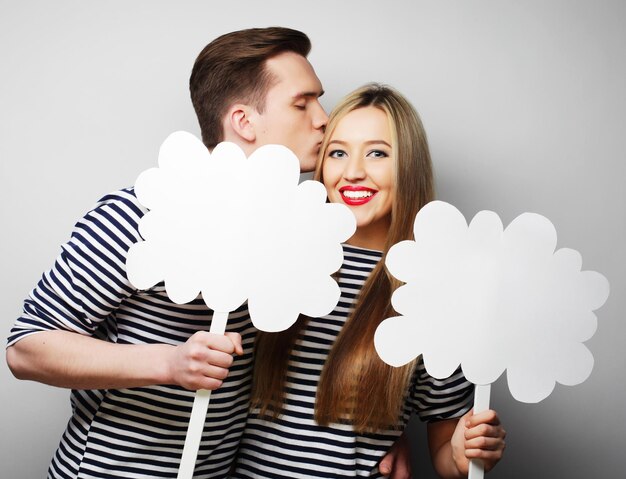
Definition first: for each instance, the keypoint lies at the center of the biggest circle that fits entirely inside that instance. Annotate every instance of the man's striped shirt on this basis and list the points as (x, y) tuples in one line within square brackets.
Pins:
[(136, 432)]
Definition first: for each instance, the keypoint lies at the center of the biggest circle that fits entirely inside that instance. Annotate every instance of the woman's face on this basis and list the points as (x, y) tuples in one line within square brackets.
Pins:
[(358, 171)]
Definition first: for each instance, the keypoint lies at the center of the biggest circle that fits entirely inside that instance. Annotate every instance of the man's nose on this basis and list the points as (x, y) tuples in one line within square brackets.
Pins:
[(320, 118)]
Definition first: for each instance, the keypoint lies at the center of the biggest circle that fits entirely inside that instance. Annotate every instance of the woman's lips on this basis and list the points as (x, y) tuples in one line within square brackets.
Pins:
[(356, 195)]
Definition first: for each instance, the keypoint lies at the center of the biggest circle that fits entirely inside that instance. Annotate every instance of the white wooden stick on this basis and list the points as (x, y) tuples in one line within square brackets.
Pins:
[(481, 403), (198, 413)]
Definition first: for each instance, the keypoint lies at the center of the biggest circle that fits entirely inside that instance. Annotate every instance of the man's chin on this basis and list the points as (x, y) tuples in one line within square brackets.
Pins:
[(307, 165)]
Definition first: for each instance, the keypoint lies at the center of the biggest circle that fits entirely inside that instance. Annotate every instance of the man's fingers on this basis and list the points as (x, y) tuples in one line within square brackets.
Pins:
[(210, 384), (237, 344), (396, 463), (218, 358), (220, 342), (204, 375), (386, 463), (229, 343), (401, 470)]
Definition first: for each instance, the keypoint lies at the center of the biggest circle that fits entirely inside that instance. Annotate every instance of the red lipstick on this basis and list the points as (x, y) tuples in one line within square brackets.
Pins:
[(356, 195)]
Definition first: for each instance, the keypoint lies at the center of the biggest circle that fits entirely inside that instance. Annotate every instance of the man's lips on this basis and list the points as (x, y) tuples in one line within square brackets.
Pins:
[(356, 195)]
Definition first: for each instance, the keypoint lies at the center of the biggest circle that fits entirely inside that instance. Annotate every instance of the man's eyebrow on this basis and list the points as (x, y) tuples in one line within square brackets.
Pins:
[(309, 94)]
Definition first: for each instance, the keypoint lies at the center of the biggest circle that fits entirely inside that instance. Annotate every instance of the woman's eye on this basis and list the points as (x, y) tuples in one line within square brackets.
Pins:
[(337, 154), (300, 106), (377, 154)]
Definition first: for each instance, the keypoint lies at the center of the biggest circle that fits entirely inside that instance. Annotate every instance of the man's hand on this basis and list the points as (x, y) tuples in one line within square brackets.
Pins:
[(203, 361), (397, 462), (479, 436)]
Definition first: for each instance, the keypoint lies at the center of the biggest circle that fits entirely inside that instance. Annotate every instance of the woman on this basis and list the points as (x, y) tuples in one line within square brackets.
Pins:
[(324, 404)]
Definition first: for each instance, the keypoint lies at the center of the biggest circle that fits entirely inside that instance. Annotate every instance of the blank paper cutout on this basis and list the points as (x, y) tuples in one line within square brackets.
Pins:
[(236, 228), (492, 300)]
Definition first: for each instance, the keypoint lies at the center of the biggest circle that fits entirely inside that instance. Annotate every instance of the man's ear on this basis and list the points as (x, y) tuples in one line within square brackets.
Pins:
[(239, 120)]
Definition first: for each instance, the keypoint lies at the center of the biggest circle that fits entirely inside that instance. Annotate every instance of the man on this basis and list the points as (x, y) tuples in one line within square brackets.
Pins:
[(133, 358)]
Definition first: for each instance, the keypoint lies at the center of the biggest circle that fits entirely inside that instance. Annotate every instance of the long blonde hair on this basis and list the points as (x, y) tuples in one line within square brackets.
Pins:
[(356, 385)]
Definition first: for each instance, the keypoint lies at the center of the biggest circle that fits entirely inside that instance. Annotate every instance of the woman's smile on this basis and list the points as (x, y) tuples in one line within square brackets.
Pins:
[(356, 195)]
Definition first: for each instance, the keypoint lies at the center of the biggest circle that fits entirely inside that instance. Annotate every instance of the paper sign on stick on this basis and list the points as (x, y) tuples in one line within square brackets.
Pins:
[(234, 229), (491, 300)]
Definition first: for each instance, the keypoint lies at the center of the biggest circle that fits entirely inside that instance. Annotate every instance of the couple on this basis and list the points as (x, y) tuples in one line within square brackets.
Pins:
[(316, 401)]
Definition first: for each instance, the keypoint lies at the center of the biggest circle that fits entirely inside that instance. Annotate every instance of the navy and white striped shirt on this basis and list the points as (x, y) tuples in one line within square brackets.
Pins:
[(137, 432), (294, 446)]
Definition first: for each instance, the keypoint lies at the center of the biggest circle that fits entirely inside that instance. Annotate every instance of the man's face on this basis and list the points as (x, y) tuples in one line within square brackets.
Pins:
[(293, 115)]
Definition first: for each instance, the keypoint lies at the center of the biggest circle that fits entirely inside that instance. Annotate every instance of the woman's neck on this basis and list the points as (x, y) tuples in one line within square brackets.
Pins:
[(370, 237)]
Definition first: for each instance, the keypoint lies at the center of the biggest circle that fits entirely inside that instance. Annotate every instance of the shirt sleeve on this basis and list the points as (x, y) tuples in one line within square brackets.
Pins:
[(438, 399), (88, 279)]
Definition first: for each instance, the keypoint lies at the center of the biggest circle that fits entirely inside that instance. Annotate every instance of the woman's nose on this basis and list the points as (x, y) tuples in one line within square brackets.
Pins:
[(354, 169)]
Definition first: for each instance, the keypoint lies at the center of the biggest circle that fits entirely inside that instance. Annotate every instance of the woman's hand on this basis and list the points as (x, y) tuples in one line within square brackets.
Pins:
[(478, 436), (453, 443)]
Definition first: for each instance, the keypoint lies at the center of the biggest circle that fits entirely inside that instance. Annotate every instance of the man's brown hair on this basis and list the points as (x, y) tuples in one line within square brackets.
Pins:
[(232, 69)]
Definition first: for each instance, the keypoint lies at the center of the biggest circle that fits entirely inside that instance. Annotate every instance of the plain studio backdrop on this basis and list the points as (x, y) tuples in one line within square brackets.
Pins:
[(523, 101)]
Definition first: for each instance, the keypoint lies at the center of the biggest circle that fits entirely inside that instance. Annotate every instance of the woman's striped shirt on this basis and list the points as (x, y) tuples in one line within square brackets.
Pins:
[(294, 446), (136, 432)]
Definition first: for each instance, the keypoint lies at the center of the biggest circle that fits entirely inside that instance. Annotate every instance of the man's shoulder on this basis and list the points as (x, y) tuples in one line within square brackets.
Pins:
[(118, 211), (123, 198), (123, 202)]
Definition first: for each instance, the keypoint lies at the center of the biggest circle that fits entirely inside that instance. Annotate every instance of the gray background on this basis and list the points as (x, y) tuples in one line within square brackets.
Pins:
[(524, 103)]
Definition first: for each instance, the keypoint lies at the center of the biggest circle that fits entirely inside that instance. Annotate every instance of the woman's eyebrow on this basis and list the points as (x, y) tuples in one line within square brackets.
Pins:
[(369, 142), (337, 141), (377, 142)]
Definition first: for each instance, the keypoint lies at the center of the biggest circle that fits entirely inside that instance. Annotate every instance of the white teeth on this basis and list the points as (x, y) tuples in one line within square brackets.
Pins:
[(357, 194)]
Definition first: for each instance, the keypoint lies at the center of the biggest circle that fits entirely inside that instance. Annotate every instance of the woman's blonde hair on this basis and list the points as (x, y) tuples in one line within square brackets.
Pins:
[(356, 385)]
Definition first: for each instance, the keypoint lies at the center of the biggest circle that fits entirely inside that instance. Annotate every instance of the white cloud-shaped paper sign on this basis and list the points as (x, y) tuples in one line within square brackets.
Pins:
[(236, 228), (491, 300)]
